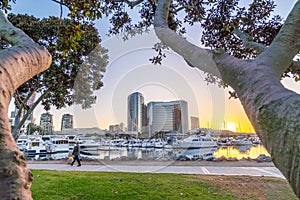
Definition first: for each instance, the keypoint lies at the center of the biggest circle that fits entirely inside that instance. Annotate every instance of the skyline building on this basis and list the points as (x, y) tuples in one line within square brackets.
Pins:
[(116, 128), (167, 116), (46, 122), (67, 122), (136, 116), (195, 123)]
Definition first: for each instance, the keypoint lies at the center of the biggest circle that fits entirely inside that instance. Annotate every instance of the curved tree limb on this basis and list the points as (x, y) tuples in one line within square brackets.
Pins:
[(248, 43), (133, 3), (287, 40), (22, 104), (295, 65), (27, 56), (193, 54), (17, 127), (60, 2)]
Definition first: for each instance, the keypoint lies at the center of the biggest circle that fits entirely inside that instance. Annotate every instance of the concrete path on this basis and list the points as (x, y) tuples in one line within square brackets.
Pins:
[(208, 170)]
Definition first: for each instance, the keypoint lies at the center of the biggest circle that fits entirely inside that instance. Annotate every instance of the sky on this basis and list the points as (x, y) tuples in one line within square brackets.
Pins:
[(129, 70)]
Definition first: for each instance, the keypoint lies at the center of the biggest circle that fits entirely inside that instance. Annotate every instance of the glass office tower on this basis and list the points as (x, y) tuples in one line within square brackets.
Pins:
[(167, 116), (136, 112)]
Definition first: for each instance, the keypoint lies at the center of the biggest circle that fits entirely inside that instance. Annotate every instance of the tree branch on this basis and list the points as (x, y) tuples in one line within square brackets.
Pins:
[(12, 34), (25, 58), (295, 65), (28, 112), (285, 45), (60, 2), (22, 104), (248, 43), (61, 10), (193, 54), (179, 9), (133, 3)]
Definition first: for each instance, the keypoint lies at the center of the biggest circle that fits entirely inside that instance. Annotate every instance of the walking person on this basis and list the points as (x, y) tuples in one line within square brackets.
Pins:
[(76, 154)]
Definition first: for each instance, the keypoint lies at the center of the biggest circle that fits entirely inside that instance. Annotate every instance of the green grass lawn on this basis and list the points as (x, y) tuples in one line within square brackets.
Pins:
[(96, 185), (145, 186)]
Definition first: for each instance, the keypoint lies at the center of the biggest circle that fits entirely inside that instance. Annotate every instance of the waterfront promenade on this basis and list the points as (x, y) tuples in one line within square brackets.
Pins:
[(206, 168)]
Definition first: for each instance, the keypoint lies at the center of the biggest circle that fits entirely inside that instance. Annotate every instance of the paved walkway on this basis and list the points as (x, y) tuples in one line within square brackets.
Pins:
[(208, 170)]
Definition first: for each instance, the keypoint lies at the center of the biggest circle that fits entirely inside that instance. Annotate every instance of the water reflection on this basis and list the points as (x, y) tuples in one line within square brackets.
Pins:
[(134, 154), (251, 152), (123, 153), (240, 152)]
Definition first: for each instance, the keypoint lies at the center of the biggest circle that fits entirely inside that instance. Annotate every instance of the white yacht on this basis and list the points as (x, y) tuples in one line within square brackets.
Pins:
[(114, 143), (148, 143), (197, 154), (160, 143), (58, 145), (203, 140), (135, 143), (89, 147), (21, 142), (241, 142), (35, 149)]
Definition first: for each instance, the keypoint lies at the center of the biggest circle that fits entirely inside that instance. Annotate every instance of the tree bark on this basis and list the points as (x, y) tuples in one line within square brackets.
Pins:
[(17, 65), (273, 110)]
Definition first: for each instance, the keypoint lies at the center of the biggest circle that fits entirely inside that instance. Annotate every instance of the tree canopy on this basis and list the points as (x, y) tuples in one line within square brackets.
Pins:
[(79, 62), (219, 19)]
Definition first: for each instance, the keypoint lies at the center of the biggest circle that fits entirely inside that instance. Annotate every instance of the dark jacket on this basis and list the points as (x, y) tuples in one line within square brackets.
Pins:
[(76, 151)]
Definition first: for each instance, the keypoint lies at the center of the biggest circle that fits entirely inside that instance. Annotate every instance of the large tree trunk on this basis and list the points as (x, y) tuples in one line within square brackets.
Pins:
[(273, 110), (276, 120), (17, 64), (15, 178)]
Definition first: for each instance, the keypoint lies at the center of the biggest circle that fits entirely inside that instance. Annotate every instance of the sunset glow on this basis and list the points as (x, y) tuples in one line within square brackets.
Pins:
[(231, 126), (234, 152)]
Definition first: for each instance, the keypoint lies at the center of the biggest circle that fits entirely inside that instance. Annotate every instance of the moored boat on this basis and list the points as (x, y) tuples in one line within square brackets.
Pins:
[(21, 142), (197, 154), (241, 142), (58, 145), (203, 140), (35, 149)]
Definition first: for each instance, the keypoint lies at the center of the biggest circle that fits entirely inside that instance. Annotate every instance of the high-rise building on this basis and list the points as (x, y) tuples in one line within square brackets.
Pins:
[(67, 122), (195, 123), (136, 117), (116, 128), (167, 116), (46, 123), (122, 126)]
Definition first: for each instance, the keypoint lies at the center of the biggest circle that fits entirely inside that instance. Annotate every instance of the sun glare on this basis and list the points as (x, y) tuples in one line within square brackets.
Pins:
[(231, 126)]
